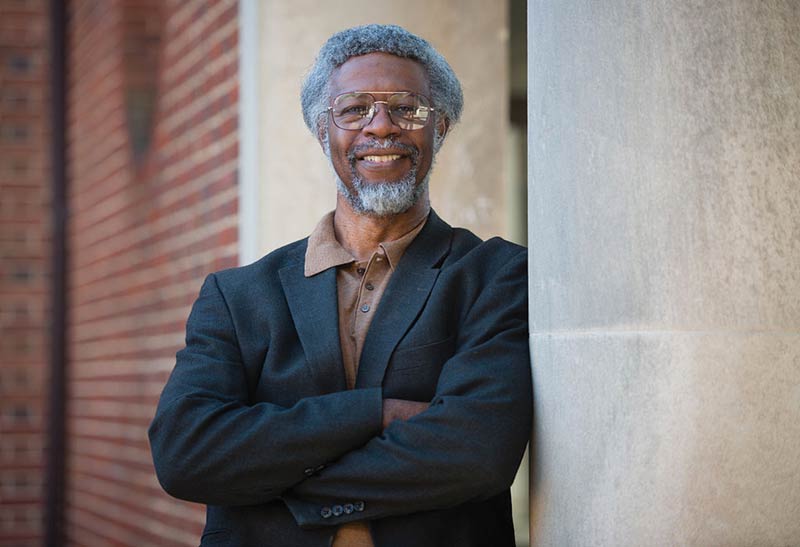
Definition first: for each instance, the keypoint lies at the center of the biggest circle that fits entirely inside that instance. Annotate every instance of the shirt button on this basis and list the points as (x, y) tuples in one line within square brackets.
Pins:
[(369, 286), (337, 510), (365, 308), (361, 271), (308, 471), (325, 512)]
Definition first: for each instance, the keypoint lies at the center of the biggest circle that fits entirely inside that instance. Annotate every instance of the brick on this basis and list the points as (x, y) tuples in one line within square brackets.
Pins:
[(144, 232), (23, 213)]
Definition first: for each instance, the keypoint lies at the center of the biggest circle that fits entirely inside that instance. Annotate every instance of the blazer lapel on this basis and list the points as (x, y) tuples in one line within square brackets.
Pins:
[(406, 294), (313, 305)]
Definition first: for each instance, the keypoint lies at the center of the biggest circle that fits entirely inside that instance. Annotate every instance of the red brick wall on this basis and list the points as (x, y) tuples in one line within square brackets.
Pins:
[(147, 223), (24, 282)]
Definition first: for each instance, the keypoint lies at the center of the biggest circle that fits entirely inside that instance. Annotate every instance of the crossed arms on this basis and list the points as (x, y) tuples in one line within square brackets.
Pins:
[(212, 445)]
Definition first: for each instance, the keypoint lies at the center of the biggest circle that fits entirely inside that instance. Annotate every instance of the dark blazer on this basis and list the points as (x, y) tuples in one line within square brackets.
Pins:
[(255, 420)]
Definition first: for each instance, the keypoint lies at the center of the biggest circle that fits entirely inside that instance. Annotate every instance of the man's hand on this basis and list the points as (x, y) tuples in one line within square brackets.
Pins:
[(400, 409)]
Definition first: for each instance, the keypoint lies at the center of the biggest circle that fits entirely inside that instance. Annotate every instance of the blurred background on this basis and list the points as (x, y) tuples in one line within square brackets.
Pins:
[(145, 144)]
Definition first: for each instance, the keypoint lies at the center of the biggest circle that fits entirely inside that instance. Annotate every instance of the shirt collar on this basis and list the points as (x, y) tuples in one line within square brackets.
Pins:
[(394, 249), (324, 251)]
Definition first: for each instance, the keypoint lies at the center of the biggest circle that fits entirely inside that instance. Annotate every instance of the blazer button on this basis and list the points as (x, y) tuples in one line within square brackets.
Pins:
[(325, 512), (349, 508), (358, 506), (337, 510), (308, 471)]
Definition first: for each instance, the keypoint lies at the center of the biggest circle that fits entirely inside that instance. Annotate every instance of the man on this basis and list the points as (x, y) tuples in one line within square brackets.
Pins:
[(368, 385)]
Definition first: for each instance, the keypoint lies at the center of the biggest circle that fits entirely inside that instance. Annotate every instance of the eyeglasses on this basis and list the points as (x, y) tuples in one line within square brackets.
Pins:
[(355, 110)]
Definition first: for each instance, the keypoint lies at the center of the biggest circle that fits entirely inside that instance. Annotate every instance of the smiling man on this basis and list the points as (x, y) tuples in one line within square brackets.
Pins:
[(368, 385)]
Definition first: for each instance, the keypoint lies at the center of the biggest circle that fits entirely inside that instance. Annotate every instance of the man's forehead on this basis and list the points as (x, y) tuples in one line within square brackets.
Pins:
[(380, 71)]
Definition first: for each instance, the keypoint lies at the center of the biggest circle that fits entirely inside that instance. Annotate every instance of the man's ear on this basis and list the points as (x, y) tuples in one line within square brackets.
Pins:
[(442, 125), (322, 135)]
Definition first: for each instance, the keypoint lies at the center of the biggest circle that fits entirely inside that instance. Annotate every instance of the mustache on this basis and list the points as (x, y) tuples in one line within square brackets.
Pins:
[(382, 144)]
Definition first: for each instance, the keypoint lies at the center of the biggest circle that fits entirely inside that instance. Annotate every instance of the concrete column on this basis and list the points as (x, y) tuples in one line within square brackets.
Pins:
[(664, 226)]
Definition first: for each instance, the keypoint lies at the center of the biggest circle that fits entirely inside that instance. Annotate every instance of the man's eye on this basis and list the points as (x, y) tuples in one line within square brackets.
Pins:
[(355, 110), (405, 110)]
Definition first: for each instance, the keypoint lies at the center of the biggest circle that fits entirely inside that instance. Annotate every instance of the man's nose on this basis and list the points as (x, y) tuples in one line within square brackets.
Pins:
[(381, 124)]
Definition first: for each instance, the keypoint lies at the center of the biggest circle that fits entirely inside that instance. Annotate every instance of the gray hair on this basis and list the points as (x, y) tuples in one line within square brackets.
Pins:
[(445, 88)]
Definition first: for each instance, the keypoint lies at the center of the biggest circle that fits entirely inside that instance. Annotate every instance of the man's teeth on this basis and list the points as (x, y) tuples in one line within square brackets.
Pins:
[(382, 159)]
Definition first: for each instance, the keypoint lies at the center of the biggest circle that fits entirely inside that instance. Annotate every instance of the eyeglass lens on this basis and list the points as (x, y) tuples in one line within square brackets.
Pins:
[(355, 110)]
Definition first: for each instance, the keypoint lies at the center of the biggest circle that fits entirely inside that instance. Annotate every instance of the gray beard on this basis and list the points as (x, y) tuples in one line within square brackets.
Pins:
[(385, 198), (382, 198)]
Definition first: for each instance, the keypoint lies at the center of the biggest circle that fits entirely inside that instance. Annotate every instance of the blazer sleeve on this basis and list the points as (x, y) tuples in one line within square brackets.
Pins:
[(210, 446), (466, 446)]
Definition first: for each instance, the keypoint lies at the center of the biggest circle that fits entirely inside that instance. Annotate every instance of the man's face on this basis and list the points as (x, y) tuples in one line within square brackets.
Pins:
[(381, 159)]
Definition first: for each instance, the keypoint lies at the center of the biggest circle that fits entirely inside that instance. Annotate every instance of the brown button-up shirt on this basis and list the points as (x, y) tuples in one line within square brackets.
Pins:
[(359, 287)]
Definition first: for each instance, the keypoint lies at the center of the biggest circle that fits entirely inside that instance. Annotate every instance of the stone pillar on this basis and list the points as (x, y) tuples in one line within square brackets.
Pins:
[(664, 226)]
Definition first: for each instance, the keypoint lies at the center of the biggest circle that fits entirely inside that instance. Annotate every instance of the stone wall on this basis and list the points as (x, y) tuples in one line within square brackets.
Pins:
[(664, 225)]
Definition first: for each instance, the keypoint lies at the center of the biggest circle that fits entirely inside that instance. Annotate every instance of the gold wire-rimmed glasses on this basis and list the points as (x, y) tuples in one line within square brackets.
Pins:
[(354, 110)]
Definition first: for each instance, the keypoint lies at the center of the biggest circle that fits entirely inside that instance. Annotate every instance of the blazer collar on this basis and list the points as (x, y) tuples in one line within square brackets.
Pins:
[(405, 295), (313, 304)]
